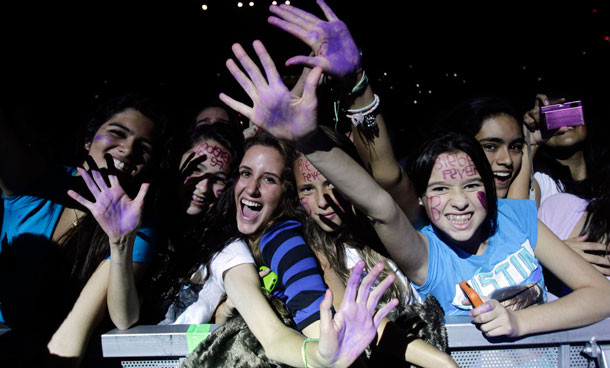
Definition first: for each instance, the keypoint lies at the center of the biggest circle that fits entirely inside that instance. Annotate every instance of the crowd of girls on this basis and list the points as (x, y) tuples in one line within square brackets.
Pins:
[(136, 235)]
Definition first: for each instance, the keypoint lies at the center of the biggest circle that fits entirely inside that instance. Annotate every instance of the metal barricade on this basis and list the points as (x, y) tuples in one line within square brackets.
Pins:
[(579, 347), (166, 346)]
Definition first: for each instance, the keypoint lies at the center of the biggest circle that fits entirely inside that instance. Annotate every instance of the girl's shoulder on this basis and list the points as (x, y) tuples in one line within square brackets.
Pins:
[(278, 228), (516, 207), (517, 219)]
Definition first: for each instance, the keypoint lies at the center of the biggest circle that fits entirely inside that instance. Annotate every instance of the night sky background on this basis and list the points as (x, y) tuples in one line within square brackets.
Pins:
[(422, 59)]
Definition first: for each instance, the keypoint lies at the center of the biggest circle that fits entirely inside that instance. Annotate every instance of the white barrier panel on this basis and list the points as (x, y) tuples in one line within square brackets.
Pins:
[(467, 344)]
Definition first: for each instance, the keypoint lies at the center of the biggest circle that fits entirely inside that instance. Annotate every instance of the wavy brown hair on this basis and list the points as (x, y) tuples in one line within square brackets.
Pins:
[(332, 245)]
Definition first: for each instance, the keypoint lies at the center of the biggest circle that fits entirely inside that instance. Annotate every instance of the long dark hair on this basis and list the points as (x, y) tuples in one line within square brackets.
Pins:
[(189, 245), (546, 159), (468, 116), (369, 249), (219, 228), (420, 169), (86, 244), (597, 223)]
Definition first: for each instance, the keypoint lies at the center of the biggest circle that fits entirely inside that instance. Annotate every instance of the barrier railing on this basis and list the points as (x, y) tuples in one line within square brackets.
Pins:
[(579, 347), (166, 346)]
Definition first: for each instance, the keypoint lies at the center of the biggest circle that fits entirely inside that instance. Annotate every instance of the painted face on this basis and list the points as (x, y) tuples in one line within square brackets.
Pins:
[(206, 175), (312, 186), (129, 138), (212, 115), (502, 140), (259, 189), (569, 138), (455, 198)]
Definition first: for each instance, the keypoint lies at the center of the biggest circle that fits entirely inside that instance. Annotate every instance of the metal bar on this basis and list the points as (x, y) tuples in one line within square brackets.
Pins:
[(462, 333)]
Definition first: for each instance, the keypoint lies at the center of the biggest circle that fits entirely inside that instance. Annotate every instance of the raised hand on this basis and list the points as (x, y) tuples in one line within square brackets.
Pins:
[(493, 319), (334, 48), (345, 336), (117, 214), (274, 109), (533, 121)]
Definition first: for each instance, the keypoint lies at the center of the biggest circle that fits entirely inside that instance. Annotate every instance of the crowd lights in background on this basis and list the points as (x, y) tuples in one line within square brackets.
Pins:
[(419, 90), (241, 4)]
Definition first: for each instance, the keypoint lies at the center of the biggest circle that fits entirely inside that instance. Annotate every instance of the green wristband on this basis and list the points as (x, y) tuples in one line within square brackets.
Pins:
[(303, 353)]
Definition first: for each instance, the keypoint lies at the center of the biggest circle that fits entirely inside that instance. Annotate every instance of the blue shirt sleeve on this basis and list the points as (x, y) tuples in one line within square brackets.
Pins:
[(299, 277), (525, 213)]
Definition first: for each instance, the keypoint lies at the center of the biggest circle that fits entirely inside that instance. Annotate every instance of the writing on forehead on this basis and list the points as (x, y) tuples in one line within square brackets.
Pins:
[(217, 156), (460, 173), (308, 171), (455, 166), (452, 160)]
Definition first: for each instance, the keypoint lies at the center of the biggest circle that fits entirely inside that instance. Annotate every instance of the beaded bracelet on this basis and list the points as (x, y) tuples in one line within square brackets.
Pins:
[(303, 353), (365, 115)]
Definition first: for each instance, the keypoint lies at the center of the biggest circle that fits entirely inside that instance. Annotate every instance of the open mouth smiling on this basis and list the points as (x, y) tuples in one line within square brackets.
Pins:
[(123, 166), (199, 201), (460, 221), (502, 176), (250, 209)]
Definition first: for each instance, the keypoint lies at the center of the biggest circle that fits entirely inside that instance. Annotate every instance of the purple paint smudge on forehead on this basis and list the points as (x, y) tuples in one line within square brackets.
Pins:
[(482, 198)]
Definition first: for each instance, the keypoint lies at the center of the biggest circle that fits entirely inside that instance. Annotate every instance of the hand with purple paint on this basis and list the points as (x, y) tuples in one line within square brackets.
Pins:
[(333, 46), (117, 214), (344, 336), (274, 109), (495, 320)]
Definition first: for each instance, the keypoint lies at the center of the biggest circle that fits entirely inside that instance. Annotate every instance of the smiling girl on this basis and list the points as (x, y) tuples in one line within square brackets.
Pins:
[(67, 247), (455, 186), (258, 212), (493, 123)]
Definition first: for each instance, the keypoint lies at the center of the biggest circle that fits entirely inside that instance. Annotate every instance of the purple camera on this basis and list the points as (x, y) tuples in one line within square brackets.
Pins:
[(563, 114)]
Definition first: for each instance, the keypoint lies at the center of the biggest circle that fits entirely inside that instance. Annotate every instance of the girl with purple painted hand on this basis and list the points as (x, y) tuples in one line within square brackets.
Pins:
[(258, 198), (122, 142), (348, 239), (335, 51), (212, 262), (473, 236)]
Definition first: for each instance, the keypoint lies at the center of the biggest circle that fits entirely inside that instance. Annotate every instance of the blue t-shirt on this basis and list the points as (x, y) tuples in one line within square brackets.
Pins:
[(299, 281), (30, 219), (508, 260)]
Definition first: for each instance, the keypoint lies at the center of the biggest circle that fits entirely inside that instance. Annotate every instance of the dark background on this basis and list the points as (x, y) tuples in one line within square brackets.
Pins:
[(63, 58)]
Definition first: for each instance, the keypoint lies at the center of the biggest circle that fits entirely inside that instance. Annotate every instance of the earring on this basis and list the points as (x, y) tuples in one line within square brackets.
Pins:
[(420, 202), (87, 146)]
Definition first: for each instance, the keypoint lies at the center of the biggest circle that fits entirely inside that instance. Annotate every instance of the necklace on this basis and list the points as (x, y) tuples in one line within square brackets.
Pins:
[(75, 222)]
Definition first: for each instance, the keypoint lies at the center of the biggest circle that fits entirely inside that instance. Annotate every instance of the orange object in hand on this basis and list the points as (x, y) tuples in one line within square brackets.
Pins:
[(472, 295)]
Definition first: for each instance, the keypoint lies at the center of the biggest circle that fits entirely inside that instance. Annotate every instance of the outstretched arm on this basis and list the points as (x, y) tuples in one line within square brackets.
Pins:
[(120, 217), (295, 119), (335, 51), (588, 303)]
